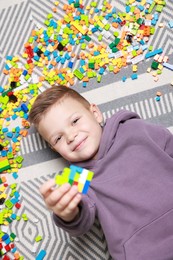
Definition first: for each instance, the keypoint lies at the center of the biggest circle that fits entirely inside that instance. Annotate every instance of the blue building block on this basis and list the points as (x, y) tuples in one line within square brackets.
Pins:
[(4, 130), (50, 66), (134, 76), (24, 108), (10, 134), (84, 84), (41, 255), (9, 57), (157, 98), (4, 237), (86, 187), (63, 60), (14, 116), (101, 71), (15, 175), (70, 64), (153, 53), (124, 78), (127, 8)]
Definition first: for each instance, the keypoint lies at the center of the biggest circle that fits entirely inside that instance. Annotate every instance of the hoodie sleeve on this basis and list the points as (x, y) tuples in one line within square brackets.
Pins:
[(83, 223)]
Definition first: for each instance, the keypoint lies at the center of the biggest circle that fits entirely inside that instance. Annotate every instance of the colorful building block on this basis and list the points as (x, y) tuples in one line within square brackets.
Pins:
[(168, 65), (41, 255), (76, 176), (4, 164), (153, 53), (170, 24)]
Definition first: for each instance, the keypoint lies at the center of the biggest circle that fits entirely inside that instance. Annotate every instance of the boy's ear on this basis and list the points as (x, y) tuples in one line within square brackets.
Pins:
[(97, 113)]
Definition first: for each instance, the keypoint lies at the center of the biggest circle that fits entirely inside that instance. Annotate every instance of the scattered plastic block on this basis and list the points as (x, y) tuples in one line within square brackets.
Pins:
[(168, 65), (41, 255)]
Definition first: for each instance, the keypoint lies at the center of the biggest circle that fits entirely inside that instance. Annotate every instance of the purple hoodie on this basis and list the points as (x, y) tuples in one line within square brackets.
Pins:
[(132, 190)]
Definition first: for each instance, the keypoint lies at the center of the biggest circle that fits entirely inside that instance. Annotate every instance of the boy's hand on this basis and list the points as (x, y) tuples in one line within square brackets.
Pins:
[(63, 201)]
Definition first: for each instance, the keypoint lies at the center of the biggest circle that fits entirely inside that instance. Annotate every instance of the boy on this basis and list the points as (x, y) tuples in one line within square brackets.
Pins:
[(132, 189)]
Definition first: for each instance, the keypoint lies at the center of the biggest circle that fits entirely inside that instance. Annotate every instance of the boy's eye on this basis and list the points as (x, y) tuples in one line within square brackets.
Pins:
[(57, 139), (75, 121)]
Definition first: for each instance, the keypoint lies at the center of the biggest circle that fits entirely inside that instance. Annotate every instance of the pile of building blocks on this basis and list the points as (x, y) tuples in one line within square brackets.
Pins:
[(75, 175), (9, 203)]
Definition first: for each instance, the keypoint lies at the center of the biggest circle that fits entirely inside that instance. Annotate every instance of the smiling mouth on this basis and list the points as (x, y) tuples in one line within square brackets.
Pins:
[(78, 146)]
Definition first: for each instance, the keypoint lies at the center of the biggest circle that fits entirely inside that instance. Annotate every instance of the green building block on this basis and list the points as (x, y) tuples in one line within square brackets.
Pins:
[(87, 38), (99, 77), (151, 7), (91, 74), (90, 175), (1, 218), (134, 53), (116, 41), (24, 216), (152, 30), (9, 204), (111, 45), (93, 4), (38, 238), (77, 4), (140, 21), (78, 74), (100, 37), (159, 8), (115, 49), (159, 72), (4, 164), (50, 16), (111, 68), (155, 65), (19, 159), (83, 46), (107, 27), (116, 34), (71, 182), (12, 236), (91, 65), (77, 176)]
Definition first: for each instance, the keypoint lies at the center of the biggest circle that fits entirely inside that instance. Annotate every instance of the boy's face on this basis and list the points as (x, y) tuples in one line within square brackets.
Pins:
[(72, 129)]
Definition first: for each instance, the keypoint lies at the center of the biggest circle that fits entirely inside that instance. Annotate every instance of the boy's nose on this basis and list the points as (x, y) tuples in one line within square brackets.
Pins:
[(71, 137)]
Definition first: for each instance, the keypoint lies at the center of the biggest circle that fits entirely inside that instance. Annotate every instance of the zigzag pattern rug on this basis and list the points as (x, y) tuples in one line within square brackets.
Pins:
[(40, 163)]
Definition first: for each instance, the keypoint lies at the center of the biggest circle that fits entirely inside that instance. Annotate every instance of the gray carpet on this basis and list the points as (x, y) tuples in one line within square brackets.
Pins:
[(111, 94)]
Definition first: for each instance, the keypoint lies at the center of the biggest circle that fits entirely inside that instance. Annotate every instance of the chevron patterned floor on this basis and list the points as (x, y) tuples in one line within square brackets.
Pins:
[(17, 20)]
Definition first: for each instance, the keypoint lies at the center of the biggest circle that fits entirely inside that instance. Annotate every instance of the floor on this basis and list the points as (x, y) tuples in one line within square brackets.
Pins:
[(6, 3)]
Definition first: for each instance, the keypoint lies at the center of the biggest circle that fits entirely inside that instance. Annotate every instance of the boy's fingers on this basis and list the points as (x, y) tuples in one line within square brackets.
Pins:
[(67, 198), (73, 203), (46, 187), (72, 208), (57, 194)]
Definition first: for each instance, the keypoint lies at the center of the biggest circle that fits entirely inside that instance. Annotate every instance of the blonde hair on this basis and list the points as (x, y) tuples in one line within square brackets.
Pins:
[(49, 97)]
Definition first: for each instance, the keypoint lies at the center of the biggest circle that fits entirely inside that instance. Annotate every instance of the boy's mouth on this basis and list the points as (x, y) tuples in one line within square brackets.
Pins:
[(79, 145)]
